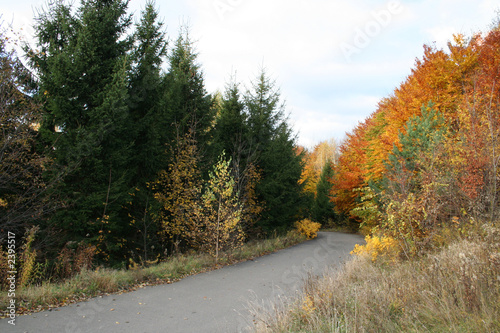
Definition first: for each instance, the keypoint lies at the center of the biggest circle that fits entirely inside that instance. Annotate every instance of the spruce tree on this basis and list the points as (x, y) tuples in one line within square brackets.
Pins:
[(188, 104), (323, 208), (280, 165), (149, 129), (148, 124), (83, 69), (231, 130)]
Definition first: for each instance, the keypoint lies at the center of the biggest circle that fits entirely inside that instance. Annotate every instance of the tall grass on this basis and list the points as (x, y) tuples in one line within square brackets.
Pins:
[(456, 289), (89, 283)]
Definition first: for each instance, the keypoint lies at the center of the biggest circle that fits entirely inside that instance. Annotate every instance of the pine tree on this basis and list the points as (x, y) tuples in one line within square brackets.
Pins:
[(422, 135)]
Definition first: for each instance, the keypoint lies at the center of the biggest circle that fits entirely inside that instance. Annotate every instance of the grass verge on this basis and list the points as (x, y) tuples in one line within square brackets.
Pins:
[(455, 289), (91, 283)]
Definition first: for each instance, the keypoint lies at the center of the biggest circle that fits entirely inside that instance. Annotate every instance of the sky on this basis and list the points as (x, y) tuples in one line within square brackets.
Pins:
[(333, 60)]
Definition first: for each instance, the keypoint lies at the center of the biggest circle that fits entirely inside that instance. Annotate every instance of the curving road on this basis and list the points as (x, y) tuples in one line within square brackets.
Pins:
[(210, 302)]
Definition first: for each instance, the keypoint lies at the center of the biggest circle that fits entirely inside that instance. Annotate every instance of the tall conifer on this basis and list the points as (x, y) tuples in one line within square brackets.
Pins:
[(277, 159), (83, 71)]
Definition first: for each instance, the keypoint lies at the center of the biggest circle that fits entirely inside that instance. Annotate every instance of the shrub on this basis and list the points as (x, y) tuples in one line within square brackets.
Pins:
[(28, 267), (308, 228), (378, 248)]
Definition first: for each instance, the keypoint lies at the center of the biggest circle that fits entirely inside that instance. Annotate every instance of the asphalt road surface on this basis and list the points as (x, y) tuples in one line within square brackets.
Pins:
[(217, 301)]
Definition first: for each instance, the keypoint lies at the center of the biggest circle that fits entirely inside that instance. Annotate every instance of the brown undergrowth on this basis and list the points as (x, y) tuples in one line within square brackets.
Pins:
[(453, 289)]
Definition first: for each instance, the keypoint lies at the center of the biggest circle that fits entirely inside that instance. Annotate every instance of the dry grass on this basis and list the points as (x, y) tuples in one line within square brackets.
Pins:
[(456, 289), (90, 283)]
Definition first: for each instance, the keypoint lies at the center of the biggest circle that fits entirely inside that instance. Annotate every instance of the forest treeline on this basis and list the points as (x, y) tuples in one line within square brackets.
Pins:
[(427, 160), (112, 149)]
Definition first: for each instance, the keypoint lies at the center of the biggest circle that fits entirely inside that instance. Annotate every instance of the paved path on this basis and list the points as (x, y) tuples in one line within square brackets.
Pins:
[(211, 302)]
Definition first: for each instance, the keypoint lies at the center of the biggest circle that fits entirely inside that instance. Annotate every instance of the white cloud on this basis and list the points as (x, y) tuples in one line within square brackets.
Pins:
[(298, 41)]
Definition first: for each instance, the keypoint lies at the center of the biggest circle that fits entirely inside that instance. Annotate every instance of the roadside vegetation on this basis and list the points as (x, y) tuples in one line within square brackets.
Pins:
[(454, 289), (88, 282)]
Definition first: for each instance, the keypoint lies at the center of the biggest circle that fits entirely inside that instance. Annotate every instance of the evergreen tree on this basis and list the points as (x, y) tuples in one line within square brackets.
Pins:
[(423, 134), (189, 105), (231, 135), (149, 128), (83, 69), (231, 130), (277, 159), (323, 208)]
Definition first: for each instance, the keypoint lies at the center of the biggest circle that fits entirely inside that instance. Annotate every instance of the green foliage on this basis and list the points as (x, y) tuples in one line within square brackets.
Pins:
[(148, 132), (323, 209), (281, 166), (83, 67), (111, 148), (231, 128), (148, 119), (422, 136), (414, 191), (189, 105)]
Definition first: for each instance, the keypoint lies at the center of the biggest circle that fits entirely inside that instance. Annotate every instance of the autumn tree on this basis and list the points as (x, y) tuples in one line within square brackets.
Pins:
[(219, 227), (484, 102), (350, 171), (178, 190), (314, 162), (23, 198)]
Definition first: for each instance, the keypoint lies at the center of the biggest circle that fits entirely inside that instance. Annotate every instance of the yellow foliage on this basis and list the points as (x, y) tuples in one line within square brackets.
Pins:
[(308, 305), (28, 258), (378, 247), (308, 228)]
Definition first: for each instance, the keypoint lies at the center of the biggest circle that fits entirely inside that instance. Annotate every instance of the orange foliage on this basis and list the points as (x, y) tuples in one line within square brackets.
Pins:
[(464, 85), (350, 170)]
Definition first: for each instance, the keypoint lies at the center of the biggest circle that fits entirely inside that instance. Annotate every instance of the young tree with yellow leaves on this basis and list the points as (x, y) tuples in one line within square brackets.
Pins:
[(178, 189), (219, 227)]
